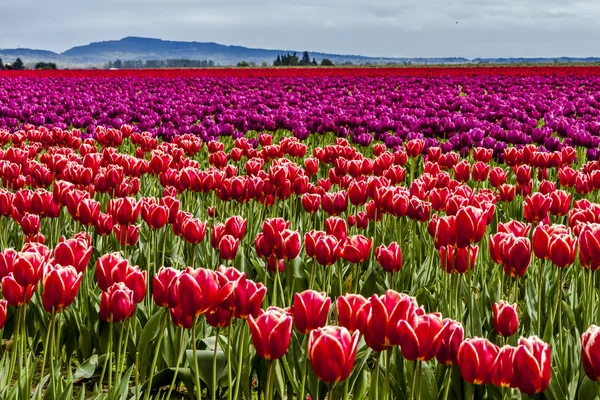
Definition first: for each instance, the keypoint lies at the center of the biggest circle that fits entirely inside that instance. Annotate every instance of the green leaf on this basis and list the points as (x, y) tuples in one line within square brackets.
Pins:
[(123, 387), (149, 334), (205, 365), (87, 369), (588, 390), (67, 394), (429, 389)]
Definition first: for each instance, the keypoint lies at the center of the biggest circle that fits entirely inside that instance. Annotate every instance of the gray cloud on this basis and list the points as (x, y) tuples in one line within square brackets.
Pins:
[(413, 28)]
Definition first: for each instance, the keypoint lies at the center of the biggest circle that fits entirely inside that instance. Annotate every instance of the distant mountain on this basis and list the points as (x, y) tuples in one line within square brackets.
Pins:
[(97, 54)]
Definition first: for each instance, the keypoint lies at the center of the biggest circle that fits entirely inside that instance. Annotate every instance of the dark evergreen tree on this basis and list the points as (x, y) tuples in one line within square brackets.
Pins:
[(314, 62), (1, 65), (326, 62), (305, 58), (277, 61), (18, 64)]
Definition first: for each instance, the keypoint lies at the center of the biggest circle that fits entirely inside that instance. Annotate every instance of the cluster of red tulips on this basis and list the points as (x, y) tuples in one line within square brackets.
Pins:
[(242, 261)]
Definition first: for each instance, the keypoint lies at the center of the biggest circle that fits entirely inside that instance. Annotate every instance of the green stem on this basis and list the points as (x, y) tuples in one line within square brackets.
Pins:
[(196, 371), (46, 351), (304, 362), (229, 386), (386, 386), (242, 347), (179, 357), (420, 373), (558, 305), (448, 380), (214, 368), (108, 359), (155, 358), (269, 392), (346, 389), (539, 305), (329, 394)]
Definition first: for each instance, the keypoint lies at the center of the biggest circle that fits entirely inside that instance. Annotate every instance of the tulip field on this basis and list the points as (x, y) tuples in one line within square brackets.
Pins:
[(359, 233)]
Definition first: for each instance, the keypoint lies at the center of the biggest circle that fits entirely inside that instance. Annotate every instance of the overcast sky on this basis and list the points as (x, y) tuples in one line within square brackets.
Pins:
[(393, 28)]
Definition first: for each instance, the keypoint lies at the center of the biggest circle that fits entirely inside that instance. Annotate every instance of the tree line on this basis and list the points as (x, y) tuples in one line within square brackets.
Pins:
[(19, 65), (171, 63), (292, 60)]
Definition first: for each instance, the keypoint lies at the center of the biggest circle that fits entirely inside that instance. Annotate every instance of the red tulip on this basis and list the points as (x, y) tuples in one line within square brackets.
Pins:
[(290, 244), (30, 224), (476, 358), (357, 193), (458, 260), (218, 317), (117, 303), (353, 311), (561, 202), (311, 202), (248, 298), (589, 246), (61, 285), (271, 333), (310, 239), (228, 247), (310, 310), (7, 259), (337, 227), (28, 268), (382, 328), (517, 228), (450, 340), (88, 211), (562, 250), (356, 249), (180, 319), (531, 363), (420, 338), (127, 235), (471, 224), (75, 252), (216, 234), (104, 224), (197, 291), (193, 230), (481, 171), (156, 216), (332, 351), (327, 250), (590, 352), (389, 257), (497, 177), (236, 227), (536, 207), (462, 171), (507, 192), (125, 211), (506, 320), (161, 281), (15, 294), (414, 147), (503, 372), (3, 307), (515, 253)]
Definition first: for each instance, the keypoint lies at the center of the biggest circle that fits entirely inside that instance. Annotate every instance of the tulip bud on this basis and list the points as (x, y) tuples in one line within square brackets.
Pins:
[(503, 372), (353, 311), (161, 281), (531, 364), (310, 310), (390, 257), (506, 320), (197, 291), (61, 285), (420, 338), (590, 352), (332, 351), (476, 358), (3, 308), (271, 333), (117, 303), (356, 249), (450, 340)]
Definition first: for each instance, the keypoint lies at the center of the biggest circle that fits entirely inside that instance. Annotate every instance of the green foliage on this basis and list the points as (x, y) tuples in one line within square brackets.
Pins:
[(326, 62), (18, 64), (45, 65), (243, 64)]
